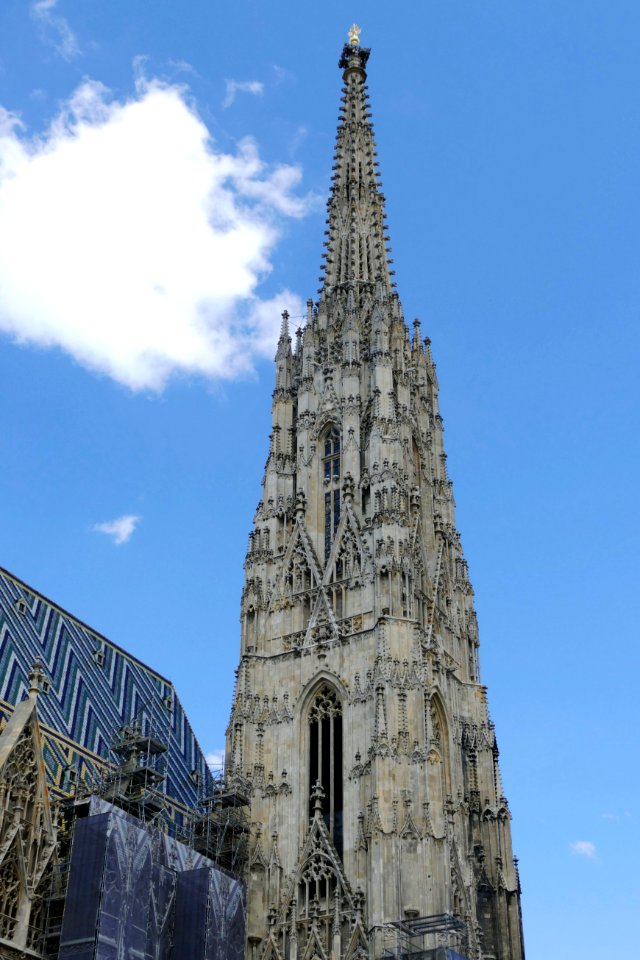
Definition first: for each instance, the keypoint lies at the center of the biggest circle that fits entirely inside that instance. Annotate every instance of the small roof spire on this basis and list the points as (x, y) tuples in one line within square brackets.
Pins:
[(284, 340), (284, 328), (417, 336)]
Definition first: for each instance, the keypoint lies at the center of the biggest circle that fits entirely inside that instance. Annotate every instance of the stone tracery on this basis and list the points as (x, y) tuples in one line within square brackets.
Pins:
[(27, 831)]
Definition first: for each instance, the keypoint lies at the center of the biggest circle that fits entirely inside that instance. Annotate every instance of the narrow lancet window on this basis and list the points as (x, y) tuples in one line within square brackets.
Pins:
[(331, 475), (325, 759)]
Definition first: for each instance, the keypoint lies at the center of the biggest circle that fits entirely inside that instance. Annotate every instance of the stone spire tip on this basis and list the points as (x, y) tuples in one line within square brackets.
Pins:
[(417, 336), (284, 340), (354, 57)]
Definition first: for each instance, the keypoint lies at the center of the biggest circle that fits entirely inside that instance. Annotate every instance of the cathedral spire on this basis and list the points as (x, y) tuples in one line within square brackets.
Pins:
[(356, 255), (357, 615)]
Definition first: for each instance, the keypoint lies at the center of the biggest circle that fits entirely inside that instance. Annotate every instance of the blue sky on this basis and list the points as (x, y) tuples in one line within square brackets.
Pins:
[(132, 134)]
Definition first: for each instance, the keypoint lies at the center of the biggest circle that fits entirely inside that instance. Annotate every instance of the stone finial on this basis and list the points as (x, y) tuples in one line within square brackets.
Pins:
[(36, 678), (284, 341), (348, 488), (293, 926), (314, 911), (417, 336), (301, 505), (317, 795)]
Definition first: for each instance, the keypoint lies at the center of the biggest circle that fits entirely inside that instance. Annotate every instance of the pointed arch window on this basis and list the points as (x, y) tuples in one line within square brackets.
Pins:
[(331, 471), (325, 758)]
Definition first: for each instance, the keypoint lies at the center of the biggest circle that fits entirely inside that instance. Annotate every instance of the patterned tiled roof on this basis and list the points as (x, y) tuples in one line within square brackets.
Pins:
[(95, 688)]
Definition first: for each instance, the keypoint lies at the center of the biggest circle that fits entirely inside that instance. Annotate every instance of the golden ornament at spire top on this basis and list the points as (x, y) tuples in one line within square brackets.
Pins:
[(354, 35)]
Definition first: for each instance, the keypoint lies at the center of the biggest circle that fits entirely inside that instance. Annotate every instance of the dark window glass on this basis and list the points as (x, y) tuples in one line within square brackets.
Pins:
[(331, 469), (325, 759)]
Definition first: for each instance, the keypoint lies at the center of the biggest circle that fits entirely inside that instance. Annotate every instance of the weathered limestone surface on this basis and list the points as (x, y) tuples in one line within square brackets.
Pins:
[(28, 832), (357, 605)]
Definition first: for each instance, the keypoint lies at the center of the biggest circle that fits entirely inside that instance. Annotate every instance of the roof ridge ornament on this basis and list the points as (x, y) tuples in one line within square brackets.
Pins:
[(36, 678)]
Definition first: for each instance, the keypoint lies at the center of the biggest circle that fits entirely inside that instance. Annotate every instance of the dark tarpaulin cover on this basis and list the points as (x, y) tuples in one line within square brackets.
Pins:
[(189, 934), (137, 894), (161, 912), (225, 919), (82, 904), (122, 931)]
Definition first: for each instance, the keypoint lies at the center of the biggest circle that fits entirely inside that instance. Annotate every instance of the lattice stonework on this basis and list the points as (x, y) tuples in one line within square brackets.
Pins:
[(28, 833), (326, 705)]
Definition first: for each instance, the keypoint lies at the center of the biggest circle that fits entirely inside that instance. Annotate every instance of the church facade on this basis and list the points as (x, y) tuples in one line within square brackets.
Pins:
[(359, 727)]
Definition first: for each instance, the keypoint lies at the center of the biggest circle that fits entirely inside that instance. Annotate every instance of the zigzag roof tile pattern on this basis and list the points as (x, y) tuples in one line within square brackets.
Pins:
[(94, 689)]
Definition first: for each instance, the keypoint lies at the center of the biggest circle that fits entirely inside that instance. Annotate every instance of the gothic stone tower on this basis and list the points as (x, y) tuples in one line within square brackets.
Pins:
[(359, 726)]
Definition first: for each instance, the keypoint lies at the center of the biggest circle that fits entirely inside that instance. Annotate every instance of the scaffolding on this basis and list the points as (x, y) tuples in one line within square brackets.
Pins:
[(134, 784), (54, 902), (133, 773), (220, 830), (436, 937), (217, 827)]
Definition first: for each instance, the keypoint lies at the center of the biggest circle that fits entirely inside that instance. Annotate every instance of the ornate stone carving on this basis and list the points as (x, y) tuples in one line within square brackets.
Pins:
[(356, 570), (28, 832)]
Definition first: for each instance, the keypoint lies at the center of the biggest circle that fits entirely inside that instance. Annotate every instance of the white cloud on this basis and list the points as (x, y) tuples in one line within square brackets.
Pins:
[(128, 240), (281, 73), (57, 28), (183, 66), (120, 529), (584, 848), (215, 760), (233, 87)]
